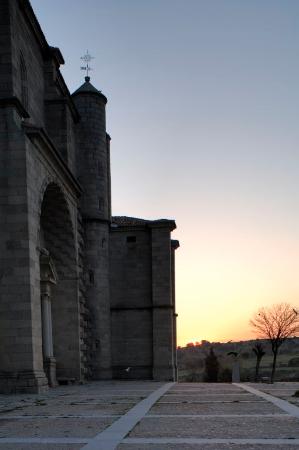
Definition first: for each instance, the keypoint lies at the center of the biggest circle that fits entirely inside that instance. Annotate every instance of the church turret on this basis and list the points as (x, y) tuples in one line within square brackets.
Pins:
[(93, 171), (93, 154)]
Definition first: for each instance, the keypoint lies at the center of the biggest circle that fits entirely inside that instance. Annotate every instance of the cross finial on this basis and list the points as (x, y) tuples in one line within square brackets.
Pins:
[(87, 58)]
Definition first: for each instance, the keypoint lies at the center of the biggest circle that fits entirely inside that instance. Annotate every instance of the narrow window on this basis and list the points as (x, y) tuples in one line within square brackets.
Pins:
[(24, 82), (131, 239), (91, 277)]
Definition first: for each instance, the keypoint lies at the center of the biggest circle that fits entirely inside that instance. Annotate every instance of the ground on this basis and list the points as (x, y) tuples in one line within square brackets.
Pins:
[(153, 416)]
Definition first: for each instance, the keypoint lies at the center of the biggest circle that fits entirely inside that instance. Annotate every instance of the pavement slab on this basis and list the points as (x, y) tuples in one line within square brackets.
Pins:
[(281, 390), (228, 427), (110, 438), (152, 416), (94, 409), (31, 446), (219, 386), (215, 408), (282, 404), (210, 398), (209, 390), (211, 446), (47, 427)]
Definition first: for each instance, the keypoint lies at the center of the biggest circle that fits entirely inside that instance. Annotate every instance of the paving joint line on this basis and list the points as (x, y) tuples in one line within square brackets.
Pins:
[(187, 402), (177, 441), (209, 416), (112, 436), (43, 441), (66, 416)]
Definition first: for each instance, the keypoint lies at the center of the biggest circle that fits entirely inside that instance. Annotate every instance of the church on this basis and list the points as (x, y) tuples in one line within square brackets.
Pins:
[(84, 295)]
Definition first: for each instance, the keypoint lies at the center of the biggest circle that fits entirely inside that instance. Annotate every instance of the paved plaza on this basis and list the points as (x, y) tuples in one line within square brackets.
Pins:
[(131, 415)]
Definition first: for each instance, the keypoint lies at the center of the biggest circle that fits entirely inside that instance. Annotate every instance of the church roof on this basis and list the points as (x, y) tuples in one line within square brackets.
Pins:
[(125, 221)]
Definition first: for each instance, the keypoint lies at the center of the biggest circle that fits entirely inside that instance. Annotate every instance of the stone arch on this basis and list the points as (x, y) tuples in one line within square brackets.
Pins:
[(47, 183), (57, 240)]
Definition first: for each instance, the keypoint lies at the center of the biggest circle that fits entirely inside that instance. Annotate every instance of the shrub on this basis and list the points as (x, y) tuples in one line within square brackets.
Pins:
[(225, 375), (211, 367), (193, 378), (294, 362)]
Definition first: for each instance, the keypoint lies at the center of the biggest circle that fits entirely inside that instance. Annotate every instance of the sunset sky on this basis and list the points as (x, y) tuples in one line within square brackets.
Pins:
[(203, 111)]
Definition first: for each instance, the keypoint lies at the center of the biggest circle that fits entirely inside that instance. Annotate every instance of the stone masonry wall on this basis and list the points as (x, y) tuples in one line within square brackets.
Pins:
[(6, 89), (20, 366), (93, 174), (60, 229), (25, 46), (55, 193), (131, 303)]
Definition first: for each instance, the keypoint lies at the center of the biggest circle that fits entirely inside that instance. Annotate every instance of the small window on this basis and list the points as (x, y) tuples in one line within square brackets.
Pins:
[(91, 277), (131, 239)]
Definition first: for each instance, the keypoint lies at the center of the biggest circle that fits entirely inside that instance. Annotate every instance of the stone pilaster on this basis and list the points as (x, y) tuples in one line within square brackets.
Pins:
[(21, 368)]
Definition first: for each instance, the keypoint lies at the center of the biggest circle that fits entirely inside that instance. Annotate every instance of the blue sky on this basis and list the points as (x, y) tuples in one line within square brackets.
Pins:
[(203, 112)]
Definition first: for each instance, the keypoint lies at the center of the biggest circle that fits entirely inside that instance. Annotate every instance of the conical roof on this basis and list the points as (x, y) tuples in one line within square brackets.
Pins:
[(88, 88)]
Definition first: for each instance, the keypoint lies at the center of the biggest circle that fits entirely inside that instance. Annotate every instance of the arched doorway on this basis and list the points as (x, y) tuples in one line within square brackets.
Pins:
[(59, 288)]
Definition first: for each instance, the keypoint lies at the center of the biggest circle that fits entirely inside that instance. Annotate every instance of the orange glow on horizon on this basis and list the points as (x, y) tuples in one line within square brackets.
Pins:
[(219, 288)]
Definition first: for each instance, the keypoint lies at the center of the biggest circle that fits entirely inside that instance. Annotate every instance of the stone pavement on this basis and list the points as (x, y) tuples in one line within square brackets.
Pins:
[(153, 416)]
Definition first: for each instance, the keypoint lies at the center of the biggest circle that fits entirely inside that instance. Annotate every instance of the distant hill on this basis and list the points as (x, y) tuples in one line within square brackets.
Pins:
[(191, 360)]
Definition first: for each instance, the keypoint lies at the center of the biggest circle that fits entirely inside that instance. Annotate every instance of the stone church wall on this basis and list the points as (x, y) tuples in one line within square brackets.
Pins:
[(26, 51), (131, 303), (15, 286), (142, 299), (46, 184), (79, 298), (32, 169), (6, 89)]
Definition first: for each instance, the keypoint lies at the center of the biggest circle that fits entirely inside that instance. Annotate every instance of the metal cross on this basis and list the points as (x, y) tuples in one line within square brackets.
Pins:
[(87, 58)]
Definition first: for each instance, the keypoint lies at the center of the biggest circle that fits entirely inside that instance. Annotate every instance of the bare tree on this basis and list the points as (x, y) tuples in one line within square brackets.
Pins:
[(276, 323), (259, 352)]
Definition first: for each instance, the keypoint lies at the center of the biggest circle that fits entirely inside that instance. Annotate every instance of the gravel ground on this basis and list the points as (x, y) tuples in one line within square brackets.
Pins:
[(203, 447), (51, 415), (216, 408), (241, 428)]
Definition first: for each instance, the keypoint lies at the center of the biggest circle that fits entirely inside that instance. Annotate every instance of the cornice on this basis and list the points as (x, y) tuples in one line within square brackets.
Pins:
[(68, 101), (15, 102), (140, 308)]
